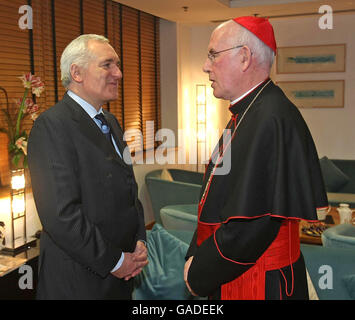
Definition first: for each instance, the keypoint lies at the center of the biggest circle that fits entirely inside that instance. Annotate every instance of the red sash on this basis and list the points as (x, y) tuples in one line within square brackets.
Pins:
[(284, 251)]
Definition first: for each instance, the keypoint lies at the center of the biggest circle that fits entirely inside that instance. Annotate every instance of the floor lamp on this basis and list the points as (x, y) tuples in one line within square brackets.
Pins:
[(18, 240), (201, 104)]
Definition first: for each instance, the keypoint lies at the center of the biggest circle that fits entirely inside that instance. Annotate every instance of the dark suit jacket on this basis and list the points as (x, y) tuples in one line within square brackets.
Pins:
[(87, 201)]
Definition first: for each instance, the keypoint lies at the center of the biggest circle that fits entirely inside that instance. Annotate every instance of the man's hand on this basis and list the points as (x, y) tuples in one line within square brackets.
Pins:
[(140, 256), (141, 252), (186, 271), (133, 263)]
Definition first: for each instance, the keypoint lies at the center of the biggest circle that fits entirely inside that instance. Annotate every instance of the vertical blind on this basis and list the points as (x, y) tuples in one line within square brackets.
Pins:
[(133, 34)]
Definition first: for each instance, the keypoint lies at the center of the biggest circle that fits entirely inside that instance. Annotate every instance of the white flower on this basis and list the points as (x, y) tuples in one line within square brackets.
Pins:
[(21, 143)]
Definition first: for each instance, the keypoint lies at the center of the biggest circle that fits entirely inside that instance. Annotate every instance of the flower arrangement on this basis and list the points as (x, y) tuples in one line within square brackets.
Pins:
[(25, 108)]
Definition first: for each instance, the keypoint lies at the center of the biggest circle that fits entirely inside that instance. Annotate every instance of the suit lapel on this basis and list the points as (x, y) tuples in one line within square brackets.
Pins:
[(89, 129)]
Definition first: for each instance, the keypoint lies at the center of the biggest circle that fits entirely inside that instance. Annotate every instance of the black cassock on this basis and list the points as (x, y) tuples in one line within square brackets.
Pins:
[(274, 175)]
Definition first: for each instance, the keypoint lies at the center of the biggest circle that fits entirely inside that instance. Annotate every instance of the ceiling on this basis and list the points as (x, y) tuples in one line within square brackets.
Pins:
[(209, 11)]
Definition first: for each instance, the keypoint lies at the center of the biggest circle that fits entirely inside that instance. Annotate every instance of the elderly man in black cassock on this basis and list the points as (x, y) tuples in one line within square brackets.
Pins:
[(247, 245)]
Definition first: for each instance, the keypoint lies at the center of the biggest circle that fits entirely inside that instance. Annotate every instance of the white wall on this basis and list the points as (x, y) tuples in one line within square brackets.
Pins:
[(333, 130), (192, 48), (168, 75)]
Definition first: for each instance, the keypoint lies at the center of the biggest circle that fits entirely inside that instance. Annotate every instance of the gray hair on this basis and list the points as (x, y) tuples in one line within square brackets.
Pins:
[(262, 53), (77, 52)]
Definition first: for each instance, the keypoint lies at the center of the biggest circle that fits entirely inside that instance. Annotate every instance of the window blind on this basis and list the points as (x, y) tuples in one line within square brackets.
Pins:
[(14, 61), (131, 76), (114, 34), (149, 78)]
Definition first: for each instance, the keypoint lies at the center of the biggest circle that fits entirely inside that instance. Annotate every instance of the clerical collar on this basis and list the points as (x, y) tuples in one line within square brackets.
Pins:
[(238, 104), (245, 94)]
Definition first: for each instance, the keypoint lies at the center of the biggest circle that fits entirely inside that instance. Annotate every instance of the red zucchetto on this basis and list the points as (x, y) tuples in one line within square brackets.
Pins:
[(261, 27)]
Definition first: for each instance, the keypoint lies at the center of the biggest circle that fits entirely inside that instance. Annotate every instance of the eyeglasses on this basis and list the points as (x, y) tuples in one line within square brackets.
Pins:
[(213, 54)]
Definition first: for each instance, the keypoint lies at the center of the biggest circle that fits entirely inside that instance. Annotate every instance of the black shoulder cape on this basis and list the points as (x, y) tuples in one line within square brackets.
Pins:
[(275, 168)]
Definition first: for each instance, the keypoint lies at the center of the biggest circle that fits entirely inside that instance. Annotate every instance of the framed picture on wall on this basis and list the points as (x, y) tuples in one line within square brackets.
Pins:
[(314, 94), (311, 59)]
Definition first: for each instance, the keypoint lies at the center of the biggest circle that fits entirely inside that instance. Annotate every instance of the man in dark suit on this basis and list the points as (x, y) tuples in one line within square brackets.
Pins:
[(93, 239)]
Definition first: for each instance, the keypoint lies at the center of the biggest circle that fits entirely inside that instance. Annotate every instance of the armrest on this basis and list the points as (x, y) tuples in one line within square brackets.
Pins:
[(163, 193)]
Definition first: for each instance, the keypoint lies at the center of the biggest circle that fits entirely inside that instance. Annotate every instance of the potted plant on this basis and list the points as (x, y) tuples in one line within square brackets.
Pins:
[(25, 108)]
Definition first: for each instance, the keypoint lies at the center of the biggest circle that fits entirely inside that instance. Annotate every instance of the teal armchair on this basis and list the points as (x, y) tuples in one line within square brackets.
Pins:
[(332, 271), (340, 236), (183, 187), (339, 179), (179, 217)]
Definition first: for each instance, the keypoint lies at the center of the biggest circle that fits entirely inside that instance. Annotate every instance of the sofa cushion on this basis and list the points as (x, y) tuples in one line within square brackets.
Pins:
[(334, 178), (349, 282), (163, 278)]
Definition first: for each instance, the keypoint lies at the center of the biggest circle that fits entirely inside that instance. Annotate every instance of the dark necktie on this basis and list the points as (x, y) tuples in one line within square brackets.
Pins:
[(105, 128)]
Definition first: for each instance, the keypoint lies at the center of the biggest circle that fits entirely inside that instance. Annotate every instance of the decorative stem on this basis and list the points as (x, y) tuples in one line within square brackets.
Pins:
[(20, 113)]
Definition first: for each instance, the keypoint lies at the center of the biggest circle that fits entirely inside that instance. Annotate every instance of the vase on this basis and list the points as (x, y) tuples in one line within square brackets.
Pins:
[(20, 163)]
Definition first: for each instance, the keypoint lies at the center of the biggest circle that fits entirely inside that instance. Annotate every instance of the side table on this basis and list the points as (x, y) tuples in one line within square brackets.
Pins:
[(333, 215), (10, 276)]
